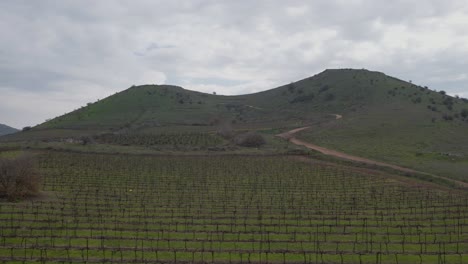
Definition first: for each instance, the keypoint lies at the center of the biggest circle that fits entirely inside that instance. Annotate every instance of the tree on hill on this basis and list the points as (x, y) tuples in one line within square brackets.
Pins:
[(464, 113)]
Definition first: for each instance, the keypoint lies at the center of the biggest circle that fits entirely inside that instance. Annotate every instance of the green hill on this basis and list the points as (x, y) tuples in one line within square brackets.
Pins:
[(5, 130), (332, 91), (194, 194), (384, 118)]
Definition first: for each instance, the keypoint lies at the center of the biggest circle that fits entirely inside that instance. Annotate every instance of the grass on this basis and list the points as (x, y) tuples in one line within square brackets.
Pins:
[(384, 118), (439, 148), (161, 106), (232, 208), (11, 154), (155, 183)]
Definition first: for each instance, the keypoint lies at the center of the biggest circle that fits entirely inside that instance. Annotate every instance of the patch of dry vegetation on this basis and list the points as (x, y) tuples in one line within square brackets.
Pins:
[(250, 139), (19, 178)]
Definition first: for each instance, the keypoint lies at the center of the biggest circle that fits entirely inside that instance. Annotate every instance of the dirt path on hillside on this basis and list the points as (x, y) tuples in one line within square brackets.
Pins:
[(289, 135), (337, 116)]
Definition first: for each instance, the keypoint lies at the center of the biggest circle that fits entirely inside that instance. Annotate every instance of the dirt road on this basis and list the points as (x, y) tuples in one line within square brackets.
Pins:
[(337, 116), (291, 138)]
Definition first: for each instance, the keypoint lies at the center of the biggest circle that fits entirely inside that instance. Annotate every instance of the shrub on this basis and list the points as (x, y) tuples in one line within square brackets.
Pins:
[(85, 140), (447, 117), (19, 178), (225, 130), (324, 88), (464, 113), (329, 97), (303, 98), (448, 101), (417, 100), (249, 139)]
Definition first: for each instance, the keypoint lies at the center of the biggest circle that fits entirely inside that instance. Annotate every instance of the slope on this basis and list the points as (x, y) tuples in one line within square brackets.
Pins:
[(330, 91), (400, 123), (5, 130), (384, 118)]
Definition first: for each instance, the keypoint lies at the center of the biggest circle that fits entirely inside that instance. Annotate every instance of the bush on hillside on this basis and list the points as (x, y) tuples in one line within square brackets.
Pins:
[(417, 100), (464, 113), (86, 140), (303, 98), (324, 88), (249, 139), (447, 117), (19, 178), (329, 97)]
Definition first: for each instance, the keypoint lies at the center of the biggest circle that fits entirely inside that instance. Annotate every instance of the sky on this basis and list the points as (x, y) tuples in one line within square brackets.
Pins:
[(56, 56)]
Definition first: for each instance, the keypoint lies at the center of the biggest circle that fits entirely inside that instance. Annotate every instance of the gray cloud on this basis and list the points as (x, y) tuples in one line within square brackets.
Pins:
[(58, 55)]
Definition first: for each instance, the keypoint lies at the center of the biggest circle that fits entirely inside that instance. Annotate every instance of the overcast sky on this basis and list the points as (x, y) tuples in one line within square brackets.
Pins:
[(56, 56)]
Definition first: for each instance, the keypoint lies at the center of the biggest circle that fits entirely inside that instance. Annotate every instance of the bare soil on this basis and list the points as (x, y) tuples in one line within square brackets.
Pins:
[(290, 136)]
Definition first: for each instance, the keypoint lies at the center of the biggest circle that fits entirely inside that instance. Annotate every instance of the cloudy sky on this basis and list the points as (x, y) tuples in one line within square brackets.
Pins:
[(56, 56)]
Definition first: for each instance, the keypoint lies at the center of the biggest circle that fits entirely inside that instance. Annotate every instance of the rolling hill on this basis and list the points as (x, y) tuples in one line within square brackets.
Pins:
[(332, 91), (384, 118), (5, 130)]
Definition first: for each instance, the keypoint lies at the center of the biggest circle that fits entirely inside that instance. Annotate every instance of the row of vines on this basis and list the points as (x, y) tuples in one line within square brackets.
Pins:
[(134, 209), (162, 139)]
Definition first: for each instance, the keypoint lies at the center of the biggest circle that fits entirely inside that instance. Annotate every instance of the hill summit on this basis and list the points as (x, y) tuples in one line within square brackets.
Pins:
[(332, 91), (383, 118)]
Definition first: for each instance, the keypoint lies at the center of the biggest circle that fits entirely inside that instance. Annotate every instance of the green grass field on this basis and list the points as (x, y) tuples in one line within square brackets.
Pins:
[(438, 147), (231, 209), (145, 176)]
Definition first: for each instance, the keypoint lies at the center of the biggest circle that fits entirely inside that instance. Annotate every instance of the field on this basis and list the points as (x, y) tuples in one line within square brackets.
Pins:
[(230, 209), (384, 119), (403, 140)]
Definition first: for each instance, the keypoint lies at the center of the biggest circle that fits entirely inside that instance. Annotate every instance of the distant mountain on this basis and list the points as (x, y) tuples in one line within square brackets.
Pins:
[(5, 130)]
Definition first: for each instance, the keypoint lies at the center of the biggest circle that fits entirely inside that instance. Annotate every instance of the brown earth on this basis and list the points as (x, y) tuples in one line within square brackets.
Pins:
[(290, 136)]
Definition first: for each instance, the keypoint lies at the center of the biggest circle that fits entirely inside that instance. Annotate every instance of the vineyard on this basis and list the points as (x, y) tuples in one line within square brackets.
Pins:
[(231, 209), (162, 139)]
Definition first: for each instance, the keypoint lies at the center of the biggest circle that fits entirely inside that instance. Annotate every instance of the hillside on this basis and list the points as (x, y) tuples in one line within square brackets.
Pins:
[(343, 91), (384, 118), (5, 130)]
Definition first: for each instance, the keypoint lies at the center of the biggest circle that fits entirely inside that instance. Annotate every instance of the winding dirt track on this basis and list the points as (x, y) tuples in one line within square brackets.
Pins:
[(289, 135)]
